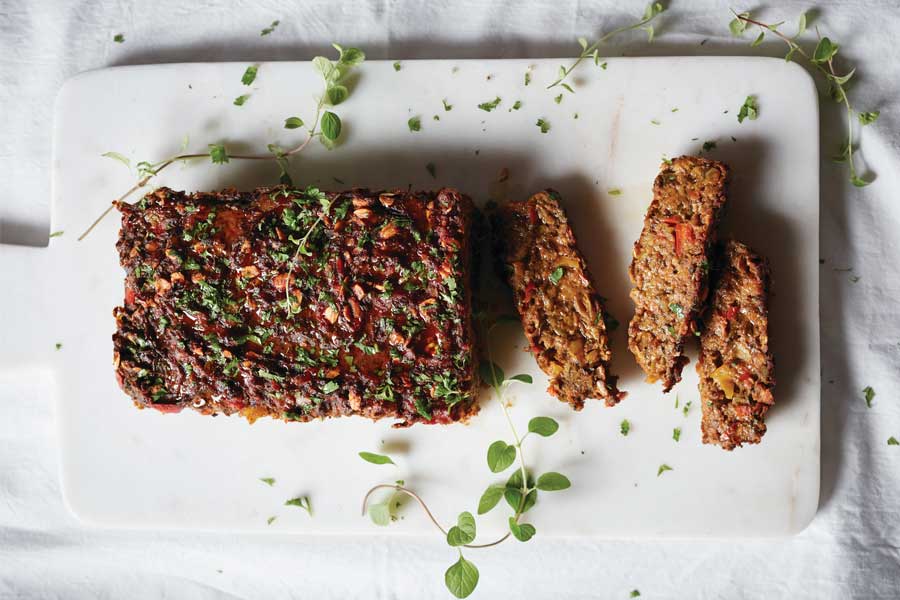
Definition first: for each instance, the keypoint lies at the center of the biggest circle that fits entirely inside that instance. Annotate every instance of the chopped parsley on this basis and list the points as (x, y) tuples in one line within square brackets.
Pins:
[(270, 376), (544, 125), (423, 409), (414, 124), (58, 346), (517, 105), (270, 520), (558, 99), (663, 468), (556, 275), (270, 28), (397, 65), (709, 145), (56, 233), (624, 427), (447, 107), (634, 593), (269, 481), (239, 101), (870, 395), (302, 502), (119, 38), (489, 106), (249, 75), (749, 110), (687, 408), (892, 441), (330, 387), (676, 434), (677, 309), (614, 192)]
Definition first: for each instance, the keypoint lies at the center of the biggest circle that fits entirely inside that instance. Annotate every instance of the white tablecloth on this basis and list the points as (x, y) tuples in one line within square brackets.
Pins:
[(851, 549)]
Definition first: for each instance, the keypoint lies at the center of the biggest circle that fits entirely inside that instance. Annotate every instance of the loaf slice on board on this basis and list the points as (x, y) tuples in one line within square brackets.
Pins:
[(735, 367), (561, 312), (670, 263)]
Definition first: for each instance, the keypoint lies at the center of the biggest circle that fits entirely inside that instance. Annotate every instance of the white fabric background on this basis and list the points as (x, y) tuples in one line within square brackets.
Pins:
[(852, 548)]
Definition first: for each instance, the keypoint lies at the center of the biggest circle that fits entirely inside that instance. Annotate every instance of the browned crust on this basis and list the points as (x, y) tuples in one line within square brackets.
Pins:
[(564, 320), (734, 351), (670, 263), (224, 314)]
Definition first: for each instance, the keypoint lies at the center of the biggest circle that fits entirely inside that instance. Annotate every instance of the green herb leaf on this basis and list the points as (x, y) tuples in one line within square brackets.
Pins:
[(676, 434), (249, 75), (270, 481), (489, 106), (825, 51), (119, 157), (624, 427), (397, 66), (414, 124), (380, 513), (463, 532), (858, 181), (892, 441), (759, 39), (270, 28), (119, 38), (662, 469), (218, 154), (552, 482), (58, 345), (749, 110), (738, 26), (522, 531), (521, 378), (336, 94), (556, 275), (239, 101), (270, 520), (867, 118), (614, 192), (302, 502), (687, 407), (517, 105), (331, 125), (349, 56), (634, 594), (558, 99), (500, 456), (461, 578), (527, 77), (376, 459), (447, 107), (293, 123), (330, 387), (491, 373), (870, 395), (677, 309), (544, 125), (543, 426), (490, 498)]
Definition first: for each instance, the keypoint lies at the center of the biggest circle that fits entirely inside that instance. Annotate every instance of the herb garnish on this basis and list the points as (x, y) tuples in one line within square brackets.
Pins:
[(333, 73), (556, 275), (624, 427), (892, 441), (634, 594), (376, 459), (489, 106), (303, 502), (870, 395), (709, 145), (397, 65), (239, 101), (414, 124), (676, 434), (57, 233), (270, 520), (663, 468), (822, 59), (119, 38), (249, 75), (58, 345), (544, 125), (592, 51), (614, 192), (749, 110), (270, 481), (270, 28)]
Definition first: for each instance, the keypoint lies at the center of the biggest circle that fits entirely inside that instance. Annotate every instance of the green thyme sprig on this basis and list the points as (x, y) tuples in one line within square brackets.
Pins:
[(822, 59), (326, 127), (520, 490), (592, 51)]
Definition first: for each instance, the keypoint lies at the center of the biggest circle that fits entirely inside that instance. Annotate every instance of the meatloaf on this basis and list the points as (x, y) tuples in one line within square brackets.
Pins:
[(298, 304), (670, 264), (561, 311), (735, 366)]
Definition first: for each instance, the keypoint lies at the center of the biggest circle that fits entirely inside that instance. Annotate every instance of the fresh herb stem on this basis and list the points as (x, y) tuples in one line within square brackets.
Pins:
[(593, 51), (827, 69)]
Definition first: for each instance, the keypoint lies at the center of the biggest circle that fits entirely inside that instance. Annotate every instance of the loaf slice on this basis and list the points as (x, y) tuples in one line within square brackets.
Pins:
[(735, 367), (561, 312), (670, 264)]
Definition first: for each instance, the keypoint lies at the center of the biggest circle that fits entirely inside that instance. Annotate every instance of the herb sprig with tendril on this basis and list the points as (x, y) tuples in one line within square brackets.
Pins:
[(592, 51), (326, 127), (822, 59), (520, 491)]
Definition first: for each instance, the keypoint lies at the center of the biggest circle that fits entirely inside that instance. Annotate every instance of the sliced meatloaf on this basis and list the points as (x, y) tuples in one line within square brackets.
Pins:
[(298, 304), (670, 265), (561, 311), (735, 366)]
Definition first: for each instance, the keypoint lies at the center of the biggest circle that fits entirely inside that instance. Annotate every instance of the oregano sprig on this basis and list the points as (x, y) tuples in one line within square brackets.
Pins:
[(326, 127), (822, 59), (592, 51)]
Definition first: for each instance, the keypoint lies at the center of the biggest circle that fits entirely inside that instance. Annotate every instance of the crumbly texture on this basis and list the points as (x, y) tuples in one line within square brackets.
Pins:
[(735, 366), (670, 264), (227, 312), (561, 311)]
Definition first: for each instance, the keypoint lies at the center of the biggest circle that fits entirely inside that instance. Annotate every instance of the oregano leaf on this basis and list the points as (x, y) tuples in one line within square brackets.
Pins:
[(376, 459), (331, 126), (461, 578), (491, 373), (336, 94), (825, 51), (380, 513), (500, 456), (521, 531), (463, 532), (119, 157), (543, 426), (521, 378), (490, 498), (552, 482)]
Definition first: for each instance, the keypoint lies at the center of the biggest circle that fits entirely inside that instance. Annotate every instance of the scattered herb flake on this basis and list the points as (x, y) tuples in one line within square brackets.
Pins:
[(892, 441), (558, 99), (749, 110), (634, 594), (447, 107), (270, 28), (709, 145), (517, 105), (57, 233), (603, 65), (528, 77), (676, 434), (489, 106), (302, 502), (269, 481), (624, 427), (239, 101), (544, 125), (687, 408), (870, 395), (397, 66), (270, 520), (414, 124), (330, 387), (249, 75), (58, 345), (218, 154), (663, 468), (119, 38), (556, 275), (614, 192), (654, 122), (674, 110)]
